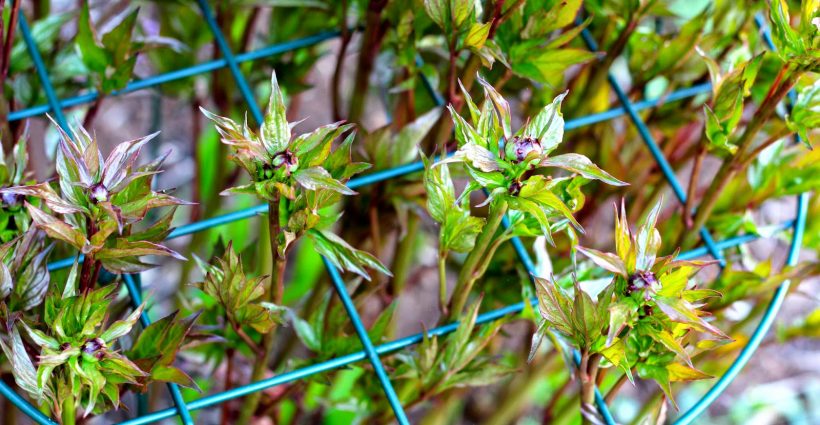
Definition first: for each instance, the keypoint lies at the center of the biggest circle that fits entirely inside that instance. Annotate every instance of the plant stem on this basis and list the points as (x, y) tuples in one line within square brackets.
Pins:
[(442, 283), (90, 268), (374, 31), (226, 410), (780, 88), (467, 276), (691, 191), (615, 388), (93, 111), (589, 373), (404, 255), (336, 83), (275, 291), (68, 415)]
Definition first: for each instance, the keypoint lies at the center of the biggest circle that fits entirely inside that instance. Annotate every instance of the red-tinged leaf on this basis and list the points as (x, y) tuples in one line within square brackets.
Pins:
[(47, 194), (57, 229), (121, 160), (175, 375), (681, 311), (126, 248), (582, 165), (648, 239), (605, 260)]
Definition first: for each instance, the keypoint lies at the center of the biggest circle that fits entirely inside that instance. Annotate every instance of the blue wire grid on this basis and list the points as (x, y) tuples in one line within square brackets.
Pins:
[(370, 351)]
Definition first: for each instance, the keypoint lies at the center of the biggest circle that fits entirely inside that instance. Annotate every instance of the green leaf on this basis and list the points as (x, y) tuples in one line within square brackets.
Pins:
[(548, 126), (681, 311), (605, 260), (316, 178), (477, 35), (648, 239), (616, 353), (175, 375), (438, 10), (536, 189), (118, 40), (622, 313), (21, 366), (89, 49), (344, 256), (580, 164), (786, 39), (670, 342), (275, 132), (57, 229), (121, 327), (805, 114), (679, 372)]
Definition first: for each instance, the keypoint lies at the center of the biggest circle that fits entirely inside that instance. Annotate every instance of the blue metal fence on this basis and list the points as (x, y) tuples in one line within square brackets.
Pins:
[(372, 352)]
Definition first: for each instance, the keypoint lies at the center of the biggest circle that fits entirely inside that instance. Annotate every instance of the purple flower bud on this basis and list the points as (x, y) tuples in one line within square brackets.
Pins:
[(522, 148), (92, 346), (287, 160), (99, 193), (11, 200), (642, 281), (515, 188)]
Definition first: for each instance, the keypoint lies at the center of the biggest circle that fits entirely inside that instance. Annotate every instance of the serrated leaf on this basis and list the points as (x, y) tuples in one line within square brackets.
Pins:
[(316, 178), (275, 132), (605, 260), (582, 165), (344, 256)]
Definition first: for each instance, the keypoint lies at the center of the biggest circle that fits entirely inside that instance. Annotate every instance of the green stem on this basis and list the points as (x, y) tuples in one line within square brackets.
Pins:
[(520, 391), (275, 292), (589, 374), (468, 276), (404, 255), (442, 282), (69, 411)]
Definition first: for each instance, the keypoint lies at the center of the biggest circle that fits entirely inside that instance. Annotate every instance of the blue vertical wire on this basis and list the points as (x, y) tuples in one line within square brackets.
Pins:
[(58, 113), (227, 53), (367, 344), (654, 149), (389, 391), (132, 286), (42, 73), (766, 321)]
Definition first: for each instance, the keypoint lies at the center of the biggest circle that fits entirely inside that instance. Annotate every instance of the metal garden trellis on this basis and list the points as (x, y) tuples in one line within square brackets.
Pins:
[(370, 351)]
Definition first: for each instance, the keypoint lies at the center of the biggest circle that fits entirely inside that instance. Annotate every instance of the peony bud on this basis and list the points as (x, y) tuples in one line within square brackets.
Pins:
[(522, 148)]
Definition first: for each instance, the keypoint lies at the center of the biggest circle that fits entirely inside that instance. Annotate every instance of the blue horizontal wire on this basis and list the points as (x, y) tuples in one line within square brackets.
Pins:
[(403, 170), (654, 149), (381, 349), (213, 65)]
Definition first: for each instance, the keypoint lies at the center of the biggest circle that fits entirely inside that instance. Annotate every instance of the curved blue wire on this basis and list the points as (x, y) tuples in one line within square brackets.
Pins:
[(382, 349), (766, 321)]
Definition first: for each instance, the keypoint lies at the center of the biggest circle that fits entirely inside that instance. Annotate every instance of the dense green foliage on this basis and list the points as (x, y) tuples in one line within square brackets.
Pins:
[(506, 161)]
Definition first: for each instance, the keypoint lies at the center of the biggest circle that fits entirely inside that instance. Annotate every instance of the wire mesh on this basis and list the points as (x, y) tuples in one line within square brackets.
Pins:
[(370, 351)]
